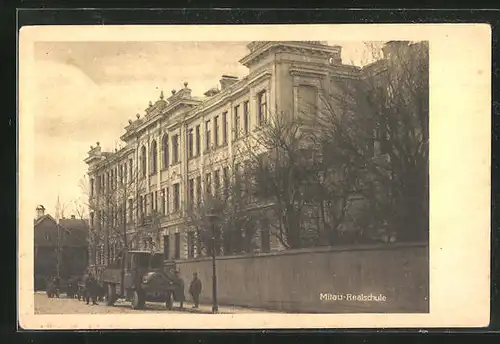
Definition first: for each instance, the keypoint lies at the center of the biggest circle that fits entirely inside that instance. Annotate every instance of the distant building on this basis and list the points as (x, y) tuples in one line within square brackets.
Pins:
[(69, 237)]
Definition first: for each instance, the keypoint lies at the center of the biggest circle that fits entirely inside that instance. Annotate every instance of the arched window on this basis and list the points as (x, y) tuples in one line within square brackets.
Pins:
[(153, 156), (143, 161), (165, 151)]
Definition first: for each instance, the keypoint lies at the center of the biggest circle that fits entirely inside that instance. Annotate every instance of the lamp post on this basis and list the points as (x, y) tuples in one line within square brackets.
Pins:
[(215, 308)]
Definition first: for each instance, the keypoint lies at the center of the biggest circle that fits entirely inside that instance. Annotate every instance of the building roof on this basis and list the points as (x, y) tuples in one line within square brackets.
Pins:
[(44, 217), (75, 231), (74, 223)]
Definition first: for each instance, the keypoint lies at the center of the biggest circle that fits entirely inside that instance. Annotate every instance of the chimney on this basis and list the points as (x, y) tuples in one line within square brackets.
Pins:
[(40, 211), (73, 217), (227, 80)]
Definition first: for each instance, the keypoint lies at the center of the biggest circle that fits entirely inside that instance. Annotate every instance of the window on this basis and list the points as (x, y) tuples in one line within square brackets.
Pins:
[(245, 117), (167, 200), (155, 207), (216, 180), (207, 135), (163, 208), (123, 171), (177, 199), (140, 207), (175, 149), (307, 96), (198, 140), (130, 209), (143, 161), (236, 128), (151, 203), (208, 183), (216, 131), (98, 185), (262, 110), (153, 156), (237, 178), (198, 188), (265, 244), (246, 182), (165, 151), (191, 193), (166, 247), (226, 181), (190, 143), (224, 128), (177, 245), (190, 244), (131, 166), (92, 188), (91, 219)]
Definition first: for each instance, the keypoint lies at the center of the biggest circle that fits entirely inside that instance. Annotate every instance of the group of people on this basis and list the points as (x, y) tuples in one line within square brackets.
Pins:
[(194, 289), (89, 288), (53, 287)]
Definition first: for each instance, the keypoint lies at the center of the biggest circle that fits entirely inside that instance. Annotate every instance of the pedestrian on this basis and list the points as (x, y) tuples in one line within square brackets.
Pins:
[(179, 289), (195, 290), (56, 282), (90, 289), (50, 287)]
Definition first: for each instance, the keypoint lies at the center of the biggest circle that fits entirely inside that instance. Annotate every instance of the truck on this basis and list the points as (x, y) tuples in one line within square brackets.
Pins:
[(139, 276)]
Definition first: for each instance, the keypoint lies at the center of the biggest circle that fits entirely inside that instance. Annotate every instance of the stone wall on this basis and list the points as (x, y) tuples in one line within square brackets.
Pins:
[(321, 279)]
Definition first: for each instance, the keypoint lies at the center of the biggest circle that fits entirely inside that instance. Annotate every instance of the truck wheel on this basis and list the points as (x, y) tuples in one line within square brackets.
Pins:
[(111, 295), (138, 300)]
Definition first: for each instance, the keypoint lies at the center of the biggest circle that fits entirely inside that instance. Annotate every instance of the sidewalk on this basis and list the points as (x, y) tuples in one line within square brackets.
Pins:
[(207, 309)]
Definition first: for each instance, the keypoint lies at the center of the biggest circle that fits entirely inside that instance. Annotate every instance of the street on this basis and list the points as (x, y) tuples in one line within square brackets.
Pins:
[(63, 305)]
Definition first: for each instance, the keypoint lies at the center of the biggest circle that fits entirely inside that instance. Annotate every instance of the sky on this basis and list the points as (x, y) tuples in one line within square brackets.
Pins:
[(87, 92)]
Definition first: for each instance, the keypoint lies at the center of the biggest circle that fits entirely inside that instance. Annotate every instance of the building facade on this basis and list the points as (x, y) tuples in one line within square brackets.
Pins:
[(60, 249), (182, 145)]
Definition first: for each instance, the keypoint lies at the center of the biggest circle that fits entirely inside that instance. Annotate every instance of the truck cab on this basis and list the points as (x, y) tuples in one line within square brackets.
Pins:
[(138, 276)]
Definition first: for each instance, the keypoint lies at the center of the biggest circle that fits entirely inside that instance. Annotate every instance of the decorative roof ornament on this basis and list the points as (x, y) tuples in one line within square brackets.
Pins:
[(138, 116), (129, 121), (173, 92), (97, 143), (185, 84), (91, 147), (150, 103), (161, 95)]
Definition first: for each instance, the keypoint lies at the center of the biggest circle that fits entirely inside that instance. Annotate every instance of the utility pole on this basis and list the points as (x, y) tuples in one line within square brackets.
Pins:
[(215, 308), (58, 248)]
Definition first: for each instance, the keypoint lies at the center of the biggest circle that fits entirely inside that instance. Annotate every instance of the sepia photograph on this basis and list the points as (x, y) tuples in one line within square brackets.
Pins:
[(240, 177)]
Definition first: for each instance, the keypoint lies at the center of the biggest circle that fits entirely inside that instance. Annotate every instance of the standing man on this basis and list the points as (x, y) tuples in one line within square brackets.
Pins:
[(91, 289), (179, 289), (195, 289), (57, 285)]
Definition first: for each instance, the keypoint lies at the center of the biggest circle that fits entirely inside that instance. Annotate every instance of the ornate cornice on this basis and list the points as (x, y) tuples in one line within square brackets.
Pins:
[(258, 49)]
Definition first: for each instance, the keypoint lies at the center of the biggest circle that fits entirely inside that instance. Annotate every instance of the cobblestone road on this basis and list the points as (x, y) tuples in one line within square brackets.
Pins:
[(63, 305)]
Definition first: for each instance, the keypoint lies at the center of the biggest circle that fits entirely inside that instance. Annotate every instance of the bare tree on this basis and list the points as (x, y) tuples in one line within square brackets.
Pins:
[(119, 205), (225, 199), (279, 160), (376, 124)]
